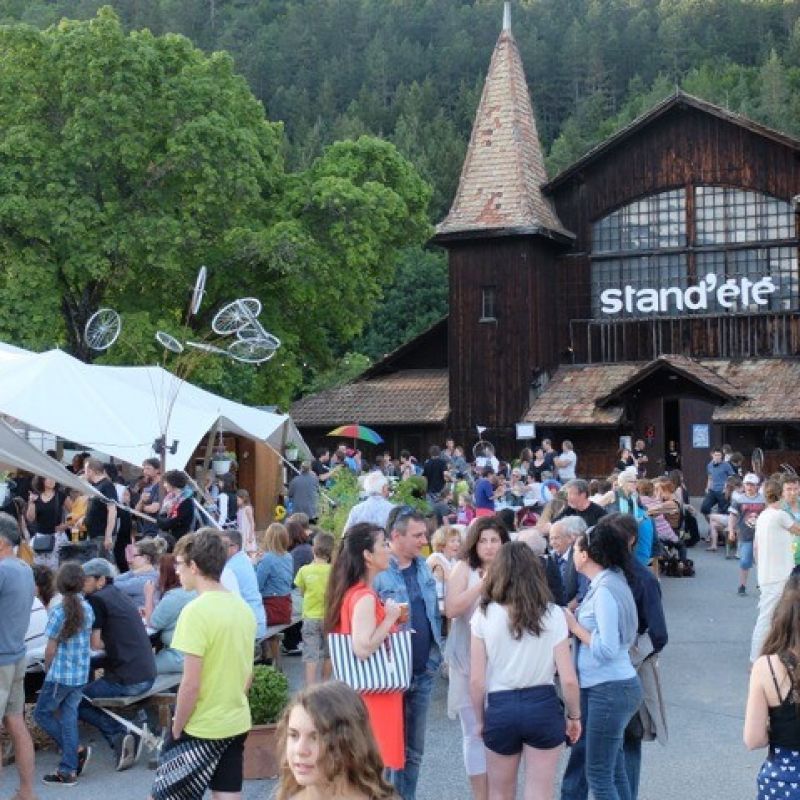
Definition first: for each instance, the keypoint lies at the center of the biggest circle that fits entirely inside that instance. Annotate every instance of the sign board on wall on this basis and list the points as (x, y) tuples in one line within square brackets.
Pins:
[(526, 430), (701, 436)]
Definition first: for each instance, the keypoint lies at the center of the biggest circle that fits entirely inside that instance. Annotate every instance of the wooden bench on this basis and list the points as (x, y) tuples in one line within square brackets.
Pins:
[(274, 631), (161, 695)]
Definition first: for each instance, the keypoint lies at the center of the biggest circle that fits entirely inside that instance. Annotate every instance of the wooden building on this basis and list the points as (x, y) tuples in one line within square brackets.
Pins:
[(651, 290)]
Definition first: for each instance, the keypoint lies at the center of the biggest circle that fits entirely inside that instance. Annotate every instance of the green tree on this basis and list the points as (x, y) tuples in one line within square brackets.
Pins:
[(128, 160), (124, 163)]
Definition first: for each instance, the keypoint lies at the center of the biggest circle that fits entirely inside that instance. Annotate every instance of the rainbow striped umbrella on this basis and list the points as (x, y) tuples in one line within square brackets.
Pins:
[(356, 432)]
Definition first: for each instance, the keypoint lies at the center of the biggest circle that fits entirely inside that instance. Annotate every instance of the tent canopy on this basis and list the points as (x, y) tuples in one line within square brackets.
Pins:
[(19, 453), (121, 411)]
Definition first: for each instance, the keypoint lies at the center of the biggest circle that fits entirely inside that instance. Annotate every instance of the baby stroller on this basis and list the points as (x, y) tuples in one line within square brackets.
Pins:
[(672, 559)]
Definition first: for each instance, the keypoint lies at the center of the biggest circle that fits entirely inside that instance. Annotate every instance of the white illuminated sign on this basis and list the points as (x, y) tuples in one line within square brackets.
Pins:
[(732, 292)]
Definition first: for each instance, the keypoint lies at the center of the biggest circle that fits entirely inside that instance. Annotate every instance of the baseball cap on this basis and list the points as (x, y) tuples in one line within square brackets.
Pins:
[(98, 568), (751, 477)]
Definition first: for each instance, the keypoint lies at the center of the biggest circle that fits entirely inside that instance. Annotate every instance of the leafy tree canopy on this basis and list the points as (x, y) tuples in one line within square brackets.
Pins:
[(127, 160)]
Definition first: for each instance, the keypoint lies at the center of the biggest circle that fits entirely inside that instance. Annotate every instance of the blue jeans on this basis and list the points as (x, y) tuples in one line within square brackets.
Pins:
[(633, 763), (64, 729), (109, 727), (415, 715), (597, 761)]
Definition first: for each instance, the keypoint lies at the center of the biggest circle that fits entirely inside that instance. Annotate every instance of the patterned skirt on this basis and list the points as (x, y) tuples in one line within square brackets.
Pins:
[(779, 777)]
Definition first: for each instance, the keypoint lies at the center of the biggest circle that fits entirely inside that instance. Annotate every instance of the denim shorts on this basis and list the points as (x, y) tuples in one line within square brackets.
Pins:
[(533, 716), (746, 555)]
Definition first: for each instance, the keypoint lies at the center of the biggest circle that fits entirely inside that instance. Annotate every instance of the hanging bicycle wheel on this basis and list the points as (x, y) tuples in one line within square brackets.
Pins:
[(257, 333), (198, 291), (233, 316), (102, 329), (169, 342), (252, 351), (207, 348)]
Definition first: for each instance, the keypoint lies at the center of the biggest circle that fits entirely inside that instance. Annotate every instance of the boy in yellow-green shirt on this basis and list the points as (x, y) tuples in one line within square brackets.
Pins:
[(215, 632), (312, 581)]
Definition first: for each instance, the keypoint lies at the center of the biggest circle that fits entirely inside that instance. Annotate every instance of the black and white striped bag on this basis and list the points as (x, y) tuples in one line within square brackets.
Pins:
[(388, 669)]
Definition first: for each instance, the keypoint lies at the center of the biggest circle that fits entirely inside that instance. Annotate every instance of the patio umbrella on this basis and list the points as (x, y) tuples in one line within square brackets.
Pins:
[(356, 432)]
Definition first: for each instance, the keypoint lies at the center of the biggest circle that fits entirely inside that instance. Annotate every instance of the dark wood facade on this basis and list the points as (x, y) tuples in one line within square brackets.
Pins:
[(769, 335), (494, 361), (686, 145)]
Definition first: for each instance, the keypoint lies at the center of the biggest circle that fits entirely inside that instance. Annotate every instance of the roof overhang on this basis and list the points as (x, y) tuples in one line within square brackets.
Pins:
[(725, 394), (560, 237)]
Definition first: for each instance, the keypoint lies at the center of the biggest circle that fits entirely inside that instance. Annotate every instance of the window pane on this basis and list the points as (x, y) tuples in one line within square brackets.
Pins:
[(647, 224)]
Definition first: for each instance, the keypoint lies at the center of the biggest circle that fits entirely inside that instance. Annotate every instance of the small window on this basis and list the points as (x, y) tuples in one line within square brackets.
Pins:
[(488, 308)]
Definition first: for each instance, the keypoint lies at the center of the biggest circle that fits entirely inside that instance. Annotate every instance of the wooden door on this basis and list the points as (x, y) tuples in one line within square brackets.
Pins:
[(694, 412)]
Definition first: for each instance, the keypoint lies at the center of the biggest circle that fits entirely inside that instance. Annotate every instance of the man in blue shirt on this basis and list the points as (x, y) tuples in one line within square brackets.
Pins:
[(243, 569), (409, 580), (718, 472)]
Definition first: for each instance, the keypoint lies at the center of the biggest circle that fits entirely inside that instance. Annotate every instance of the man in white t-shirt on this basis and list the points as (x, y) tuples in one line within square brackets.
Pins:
[(774, 560), (566, 462)]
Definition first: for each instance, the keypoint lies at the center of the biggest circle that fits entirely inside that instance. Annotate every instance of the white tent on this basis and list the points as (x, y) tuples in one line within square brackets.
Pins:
[(18, 453), (121, 411)]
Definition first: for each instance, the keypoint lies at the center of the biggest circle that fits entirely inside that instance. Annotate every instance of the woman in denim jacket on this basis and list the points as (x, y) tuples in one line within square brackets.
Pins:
[(604, 630)]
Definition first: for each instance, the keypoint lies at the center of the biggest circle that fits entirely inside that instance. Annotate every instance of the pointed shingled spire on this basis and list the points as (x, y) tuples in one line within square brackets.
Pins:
[(500, 187)]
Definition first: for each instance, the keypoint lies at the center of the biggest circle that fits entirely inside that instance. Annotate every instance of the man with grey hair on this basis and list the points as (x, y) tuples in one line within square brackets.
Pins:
[(303, 491), (536, 541), (408, 580), (563, 534), (16, 601), (376, 508)]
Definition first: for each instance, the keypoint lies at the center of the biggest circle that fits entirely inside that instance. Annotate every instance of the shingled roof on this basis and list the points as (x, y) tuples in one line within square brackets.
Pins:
[(500, 187), (757, 391), (407, 397)]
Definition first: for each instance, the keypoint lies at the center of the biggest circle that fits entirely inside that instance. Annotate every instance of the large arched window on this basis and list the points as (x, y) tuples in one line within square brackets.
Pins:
[(729, 251)]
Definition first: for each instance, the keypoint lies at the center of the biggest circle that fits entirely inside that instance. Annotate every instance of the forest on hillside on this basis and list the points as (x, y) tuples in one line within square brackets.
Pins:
[(411, 71)]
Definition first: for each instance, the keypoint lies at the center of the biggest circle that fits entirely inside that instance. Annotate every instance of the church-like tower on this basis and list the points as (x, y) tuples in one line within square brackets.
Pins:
[(503, 237)]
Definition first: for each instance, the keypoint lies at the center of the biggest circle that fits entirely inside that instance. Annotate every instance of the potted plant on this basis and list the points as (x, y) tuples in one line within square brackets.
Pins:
[(269, 695), (221, 461), (291, 451)]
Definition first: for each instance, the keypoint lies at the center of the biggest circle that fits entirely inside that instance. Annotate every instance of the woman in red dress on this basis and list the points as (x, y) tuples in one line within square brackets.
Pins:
[(354, 608)]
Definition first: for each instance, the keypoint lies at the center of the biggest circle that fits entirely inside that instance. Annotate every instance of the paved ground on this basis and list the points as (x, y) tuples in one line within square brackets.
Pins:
[(705, 676)]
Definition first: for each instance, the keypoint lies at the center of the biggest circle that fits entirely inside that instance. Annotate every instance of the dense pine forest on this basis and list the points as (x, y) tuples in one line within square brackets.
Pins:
[(411, 71)]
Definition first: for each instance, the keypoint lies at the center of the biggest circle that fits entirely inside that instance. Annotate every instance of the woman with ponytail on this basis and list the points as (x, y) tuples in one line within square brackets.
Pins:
[(353, 607), (66, 659)]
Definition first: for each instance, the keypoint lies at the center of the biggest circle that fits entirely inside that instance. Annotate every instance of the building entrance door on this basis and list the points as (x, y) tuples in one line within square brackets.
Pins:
[(697, 436)]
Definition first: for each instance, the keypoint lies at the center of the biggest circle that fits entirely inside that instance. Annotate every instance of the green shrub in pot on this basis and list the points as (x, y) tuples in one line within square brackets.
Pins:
[(269, 694)]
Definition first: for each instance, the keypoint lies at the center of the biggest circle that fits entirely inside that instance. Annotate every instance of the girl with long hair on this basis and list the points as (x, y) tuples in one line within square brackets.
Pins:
[(484, 538), (353, 607), (604, 629), (327, 748), (772, 718), (519, 638), (66, 659), (246, 523)]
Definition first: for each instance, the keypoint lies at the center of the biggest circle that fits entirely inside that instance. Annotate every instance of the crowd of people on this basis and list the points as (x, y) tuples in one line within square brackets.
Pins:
[(533, 592)]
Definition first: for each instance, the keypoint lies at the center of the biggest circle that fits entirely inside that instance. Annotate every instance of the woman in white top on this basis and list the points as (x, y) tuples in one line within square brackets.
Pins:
[(519, 640), (485, 537), (774, 556)]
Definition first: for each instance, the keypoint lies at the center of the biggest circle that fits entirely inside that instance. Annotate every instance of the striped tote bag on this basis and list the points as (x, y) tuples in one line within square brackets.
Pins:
[(388, 669)]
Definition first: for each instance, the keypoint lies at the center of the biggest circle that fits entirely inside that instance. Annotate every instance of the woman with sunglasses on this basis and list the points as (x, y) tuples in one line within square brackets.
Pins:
[(484, 538), (144, 569), (353, 607), (604, 630)]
